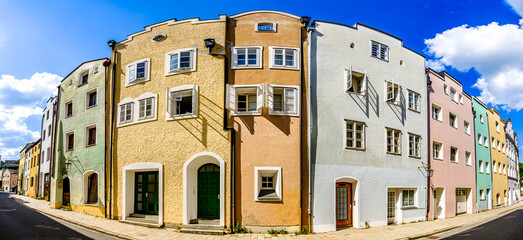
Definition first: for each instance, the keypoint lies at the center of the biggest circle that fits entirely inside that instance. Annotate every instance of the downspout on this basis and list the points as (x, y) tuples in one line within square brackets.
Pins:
[(40, 160), (309, 123), (429, 84), (305, 22), (112, 44), (106, 65), (475, 157), (53, 137)]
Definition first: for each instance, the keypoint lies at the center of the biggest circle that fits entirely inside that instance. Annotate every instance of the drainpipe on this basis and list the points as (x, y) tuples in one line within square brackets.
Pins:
[(112, 44), (106, 65), (53, 137), (305, 22), (40, 160), (429, 85), (475, 157), (309, 138), (209, 43)]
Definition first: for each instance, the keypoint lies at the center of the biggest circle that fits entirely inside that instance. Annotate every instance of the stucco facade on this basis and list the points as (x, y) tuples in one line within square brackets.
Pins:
[(451, 148), (21, 170), (178, 135), (484, 195), (27, 169), (9, 180), (33, 171), (44, 177), (499, 158), (512, 151), (361, 126), (78, 178), (266, 98)]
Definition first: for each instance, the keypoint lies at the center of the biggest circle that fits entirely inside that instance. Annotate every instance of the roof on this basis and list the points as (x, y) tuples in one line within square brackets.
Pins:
[(264, 11), (81, 65)]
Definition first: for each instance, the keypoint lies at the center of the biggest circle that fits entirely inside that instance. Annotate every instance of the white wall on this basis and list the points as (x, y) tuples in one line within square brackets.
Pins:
[(46, 143)]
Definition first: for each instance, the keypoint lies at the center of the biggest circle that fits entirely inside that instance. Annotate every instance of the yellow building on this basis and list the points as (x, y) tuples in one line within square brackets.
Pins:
[(498, 148), (266, 96), (34, 169), (170, 162), (22, 169)]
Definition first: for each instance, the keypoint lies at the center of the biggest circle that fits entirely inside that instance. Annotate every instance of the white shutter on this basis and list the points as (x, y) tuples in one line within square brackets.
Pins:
[(195, 99), (270, 97), (131, 72), (348, 78), (231, 98), (397, 98), (259, 100), (141, 105), (146, 69), (290, 100), (234, 57), (364, 84), (297, 59)]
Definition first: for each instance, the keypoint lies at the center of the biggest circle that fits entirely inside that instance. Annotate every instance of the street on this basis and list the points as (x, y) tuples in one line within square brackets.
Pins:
[(20, 222)]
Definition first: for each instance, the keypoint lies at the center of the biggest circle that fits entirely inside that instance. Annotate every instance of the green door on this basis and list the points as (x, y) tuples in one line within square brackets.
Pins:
[(146, 193), (209, 191)]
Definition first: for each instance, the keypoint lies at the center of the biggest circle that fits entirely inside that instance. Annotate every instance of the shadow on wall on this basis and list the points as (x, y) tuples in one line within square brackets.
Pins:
[(369, 100), (400, 109)]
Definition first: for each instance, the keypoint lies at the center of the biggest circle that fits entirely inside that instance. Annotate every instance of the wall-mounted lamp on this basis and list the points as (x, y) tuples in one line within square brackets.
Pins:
[(209, 43), (430, 172)]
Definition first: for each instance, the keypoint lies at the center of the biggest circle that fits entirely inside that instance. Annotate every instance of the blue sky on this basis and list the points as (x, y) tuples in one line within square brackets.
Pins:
[(42, 41)]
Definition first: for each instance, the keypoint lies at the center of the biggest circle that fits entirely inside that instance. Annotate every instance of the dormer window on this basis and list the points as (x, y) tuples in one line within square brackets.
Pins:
[(265, 27)]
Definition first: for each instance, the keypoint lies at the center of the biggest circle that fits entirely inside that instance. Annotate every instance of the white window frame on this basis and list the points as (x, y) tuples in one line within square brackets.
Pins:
[(487, 167), (480, 139), (135, 109), (466, 126), (440, 114), (457, 154), (453, 95), (468, 160), (259, 57), (274, 26), (416, 98), (440, 151), (494, 167), (417, 145), (296, 56), (134, 64), (363, 132), (192, 64), (455, 120), (277, 181), (445, 89), (493, 143), (380, 46), (87, 98), (396, 96), (195, 96), (393, 141), (232, 96), (85, 181), (66, 142), (72, 108), (349, 81), (414, 198), (480, 166), (269, 100), (120, 105), (86, 135)]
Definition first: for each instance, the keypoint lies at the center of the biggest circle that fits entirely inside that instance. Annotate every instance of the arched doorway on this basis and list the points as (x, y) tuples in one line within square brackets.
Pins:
[(66, 197), (209, 191)]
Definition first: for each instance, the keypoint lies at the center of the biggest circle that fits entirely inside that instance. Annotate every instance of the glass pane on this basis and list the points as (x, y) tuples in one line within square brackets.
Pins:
[(185, 59), (139, 206), (150, 177), (174, 62), (140, 178), (342, 200), (252, 56), (140, 188), (289, 58), (139, 197), (150, 187), (140, 70)]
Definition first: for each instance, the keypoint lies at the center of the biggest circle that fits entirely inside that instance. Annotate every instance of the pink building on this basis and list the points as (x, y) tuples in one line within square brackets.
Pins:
[(9, 180), (451, 148)]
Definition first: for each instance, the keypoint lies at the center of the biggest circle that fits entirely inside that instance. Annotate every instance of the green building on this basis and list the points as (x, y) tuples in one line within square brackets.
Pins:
[(483, 160), (78, 168)]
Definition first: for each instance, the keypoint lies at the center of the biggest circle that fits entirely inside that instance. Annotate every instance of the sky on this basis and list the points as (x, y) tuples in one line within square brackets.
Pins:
[(478, 42)]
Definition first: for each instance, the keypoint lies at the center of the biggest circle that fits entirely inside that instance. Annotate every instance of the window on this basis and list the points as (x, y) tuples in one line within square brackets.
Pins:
[(493, 143), (146, 108), (137, 71), (436, 113), (393, 141), (248, 99), (453, 121), (480, 166), (355, 135), (503, 148), (92, 188), (182, 60), (392, 93), (466, 126), (355, 82), (494, 168), (461, 99), (183, 102), (480, 139), (69, 108), (504, 169), (468, 158), (69, 141), (487, 168), (246, 57), (485, 140), (47, 117), (414, 145), (454, 154), (499, 146), (499, 167), (267, 183), (126, 112), (414, 101), (43, 136), (497, 127), (380, 51), (437, 150), (481, 118), (453, 95), (83, 78), (90, 133), (286, 58), (265, 27), (445, 89), (408, 198), (481, 194), (91, 98), (48, 154), (281, 100)]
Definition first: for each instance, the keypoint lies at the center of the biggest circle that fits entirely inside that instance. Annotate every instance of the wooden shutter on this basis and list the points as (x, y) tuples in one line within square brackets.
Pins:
[(259, 95), (270, 97), (231, 98)]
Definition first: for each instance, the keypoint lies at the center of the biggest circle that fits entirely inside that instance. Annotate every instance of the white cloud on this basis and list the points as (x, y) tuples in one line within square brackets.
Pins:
[(495, 51), (23, 100), (517, 5), (435, 65)]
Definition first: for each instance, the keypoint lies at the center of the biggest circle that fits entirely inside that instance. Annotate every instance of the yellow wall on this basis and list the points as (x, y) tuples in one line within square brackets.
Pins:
[(35, 162), (269, 141), (499, 180), (21, 169), (173, 142)]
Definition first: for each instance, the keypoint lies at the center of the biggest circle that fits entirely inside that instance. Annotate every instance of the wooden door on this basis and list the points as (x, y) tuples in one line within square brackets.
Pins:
[(343, 205), (209, 191)]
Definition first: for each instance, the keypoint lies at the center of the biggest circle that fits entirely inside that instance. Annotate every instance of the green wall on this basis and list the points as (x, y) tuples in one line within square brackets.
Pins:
[(483, 180)]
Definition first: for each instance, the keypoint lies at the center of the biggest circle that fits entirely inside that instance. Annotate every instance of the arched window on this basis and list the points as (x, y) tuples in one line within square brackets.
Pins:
[(92, 188)]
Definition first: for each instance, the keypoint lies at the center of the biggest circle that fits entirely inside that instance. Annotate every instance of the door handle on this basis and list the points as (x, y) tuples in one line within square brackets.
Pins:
[(218, 196), (146, 194)]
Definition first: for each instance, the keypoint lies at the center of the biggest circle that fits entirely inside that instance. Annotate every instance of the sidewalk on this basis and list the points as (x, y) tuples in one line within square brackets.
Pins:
[(128, 231)]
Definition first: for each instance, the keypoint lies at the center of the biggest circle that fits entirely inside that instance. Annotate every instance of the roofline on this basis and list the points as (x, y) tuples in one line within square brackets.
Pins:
[(438, 74), (375, 29), (480, 102), (265, 11), (81, 65), (453, 78)]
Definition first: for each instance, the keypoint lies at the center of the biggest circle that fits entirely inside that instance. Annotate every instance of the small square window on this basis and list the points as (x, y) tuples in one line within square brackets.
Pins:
[(92, 98), (146, 108), (485, 140), (468, 158), (436, 113), (445, 89), (414, 145), (126, 112), (487, 168), (408, 198), (437, 150), (69, 141), (280, 101), (481, 195), (284, 58), (246, 57), (454, 154), (480, 139), (69, 108), (393, 92), (182, 60), (265, 27), (453, 120), (494, 168), (414, 101), (83, 78), (183, 102), (90, 133), (137, 71), (453, 95), (267, 183), (497, 127), (355, 135), (481, 118), (355, 82), (380, 51), (466, 126), (480, 166)]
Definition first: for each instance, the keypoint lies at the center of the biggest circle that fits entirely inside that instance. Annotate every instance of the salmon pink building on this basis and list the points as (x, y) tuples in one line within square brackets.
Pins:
[(452, 154)]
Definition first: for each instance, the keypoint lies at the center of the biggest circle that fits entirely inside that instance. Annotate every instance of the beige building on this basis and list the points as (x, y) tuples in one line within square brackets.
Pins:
[(498, 148)]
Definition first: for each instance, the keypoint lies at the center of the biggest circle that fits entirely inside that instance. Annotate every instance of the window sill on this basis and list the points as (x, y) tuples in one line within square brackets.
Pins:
[(128, 84), (415, 157), (182, 116), (79, 85), (92, 145), (393, 103), (89, 107), (356, 149), (174, 72), (414, 110), (440, 159), (395, 154), (285, 68), (454, 162), (246, 114), (355, 93), (66, 117), (409, 207), (385, 60), (69, 150), (283, 114), (261, 199), (91, 204), (244, 67)]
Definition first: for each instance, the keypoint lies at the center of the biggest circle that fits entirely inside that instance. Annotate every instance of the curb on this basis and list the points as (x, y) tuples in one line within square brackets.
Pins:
[(89, 227), (431, 233)]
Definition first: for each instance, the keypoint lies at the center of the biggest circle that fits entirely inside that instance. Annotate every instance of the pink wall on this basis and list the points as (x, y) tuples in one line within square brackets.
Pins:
[(448, 174)]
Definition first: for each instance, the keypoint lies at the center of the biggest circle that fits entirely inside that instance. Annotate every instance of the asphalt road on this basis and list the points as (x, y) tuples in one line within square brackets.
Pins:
[(509, 226), (20, 222)]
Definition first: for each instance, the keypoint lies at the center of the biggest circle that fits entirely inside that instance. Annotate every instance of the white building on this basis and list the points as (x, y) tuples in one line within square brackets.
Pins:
[(46, 147), (514, 192), (368, 128)]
